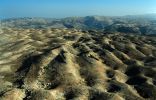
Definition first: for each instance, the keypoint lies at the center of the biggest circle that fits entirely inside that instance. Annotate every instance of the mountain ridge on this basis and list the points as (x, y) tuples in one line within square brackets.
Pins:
[(138, 24)]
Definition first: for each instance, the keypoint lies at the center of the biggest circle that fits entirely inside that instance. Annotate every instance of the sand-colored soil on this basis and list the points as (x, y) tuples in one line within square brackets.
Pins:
[(63, 64)]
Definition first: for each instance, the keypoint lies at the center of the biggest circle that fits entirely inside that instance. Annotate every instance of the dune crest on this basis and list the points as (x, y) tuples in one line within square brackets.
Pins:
[(64, 64)]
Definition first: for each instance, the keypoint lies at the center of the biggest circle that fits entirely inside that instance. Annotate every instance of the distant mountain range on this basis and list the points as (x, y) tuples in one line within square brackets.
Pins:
[(138, 24)]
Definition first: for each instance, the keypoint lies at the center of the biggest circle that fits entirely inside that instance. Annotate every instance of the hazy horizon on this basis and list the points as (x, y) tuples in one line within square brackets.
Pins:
[(68, 8)]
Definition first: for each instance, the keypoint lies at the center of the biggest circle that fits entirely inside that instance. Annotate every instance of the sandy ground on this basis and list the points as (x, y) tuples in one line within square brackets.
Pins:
[(62, 64)]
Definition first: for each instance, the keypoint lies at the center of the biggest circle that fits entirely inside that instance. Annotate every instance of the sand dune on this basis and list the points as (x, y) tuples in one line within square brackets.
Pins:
[(63, 64)]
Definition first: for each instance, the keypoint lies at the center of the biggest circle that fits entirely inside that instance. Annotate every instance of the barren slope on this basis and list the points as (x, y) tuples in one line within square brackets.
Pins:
[(54, 64)]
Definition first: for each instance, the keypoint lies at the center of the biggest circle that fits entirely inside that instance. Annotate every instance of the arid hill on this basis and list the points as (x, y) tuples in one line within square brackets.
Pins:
[(69, 64), (138, 24)]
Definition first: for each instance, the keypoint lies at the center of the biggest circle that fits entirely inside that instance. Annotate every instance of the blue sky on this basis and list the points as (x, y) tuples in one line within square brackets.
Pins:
[(65, 8)]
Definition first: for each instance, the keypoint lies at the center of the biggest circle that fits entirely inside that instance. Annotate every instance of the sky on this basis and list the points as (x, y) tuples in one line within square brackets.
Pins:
[(67, 8)]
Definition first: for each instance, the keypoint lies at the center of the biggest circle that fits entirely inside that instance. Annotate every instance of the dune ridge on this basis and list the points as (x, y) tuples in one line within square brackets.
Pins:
[(70, 64)]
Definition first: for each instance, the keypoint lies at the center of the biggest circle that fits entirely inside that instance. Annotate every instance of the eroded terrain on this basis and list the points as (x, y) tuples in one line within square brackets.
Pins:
[(63, 64)]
